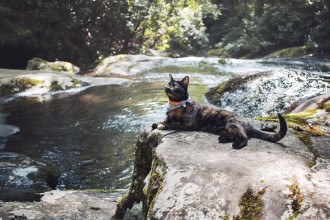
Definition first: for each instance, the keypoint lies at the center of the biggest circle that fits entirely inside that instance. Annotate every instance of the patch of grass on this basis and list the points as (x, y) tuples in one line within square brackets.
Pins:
[(251, 205)]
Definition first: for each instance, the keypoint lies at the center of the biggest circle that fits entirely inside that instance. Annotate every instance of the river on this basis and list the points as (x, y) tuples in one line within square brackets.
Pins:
[(90, 135)]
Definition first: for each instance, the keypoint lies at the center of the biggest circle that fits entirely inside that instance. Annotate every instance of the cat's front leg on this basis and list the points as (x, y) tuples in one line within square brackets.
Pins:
[(167, 126), (159, 126)]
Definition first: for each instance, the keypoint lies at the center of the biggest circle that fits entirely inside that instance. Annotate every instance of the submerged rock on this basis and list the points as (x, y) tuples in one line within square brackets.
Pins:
[(192, 176), (61, 66), (23, 178), (266, 93)]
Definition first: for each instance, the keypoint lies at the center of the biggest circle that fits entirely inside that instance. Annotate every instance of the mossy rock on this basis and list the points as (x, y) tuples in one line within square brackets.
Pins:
[(289, 52), (57, 66), (23, 178), (219, 52), (18, 85)]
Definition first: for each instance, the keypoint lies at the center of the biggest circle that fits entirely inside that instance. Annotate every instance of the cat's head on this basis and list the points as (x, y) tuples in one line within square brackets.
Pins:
[(177, 91)]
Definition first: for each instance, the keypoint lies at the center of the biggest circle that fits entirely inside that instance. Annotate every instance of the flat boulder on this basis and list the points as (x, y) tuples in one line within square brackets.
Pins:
[(23, 178), (192, 176)]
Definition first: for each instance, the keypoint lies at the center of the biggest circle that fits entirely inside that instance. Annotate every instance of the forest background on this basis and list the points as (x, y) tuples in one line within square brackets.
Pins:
[(83, 32)]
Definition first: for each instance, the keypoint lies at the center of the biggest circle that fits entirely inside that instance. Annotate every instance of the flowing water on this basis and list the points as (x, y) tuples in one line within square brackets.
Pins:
[(91, 135)]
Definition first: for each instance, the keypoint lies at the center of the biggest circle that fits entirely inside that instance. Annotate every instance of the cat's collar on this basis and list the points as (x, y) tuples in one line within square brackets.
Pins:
[(175, 105)]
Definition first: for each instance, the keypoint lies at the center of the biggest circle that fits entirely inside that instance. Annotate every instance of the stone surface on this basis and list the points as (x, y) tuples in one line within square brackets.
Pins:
[(64, 205), (23, 178), (206, 180), (192, 176)]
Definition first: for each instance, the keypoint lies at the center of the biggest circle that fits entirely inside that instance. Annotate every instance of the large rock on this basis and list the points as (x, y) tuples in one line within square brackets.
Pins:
[(23, 178), (61, 66), (192, 176)]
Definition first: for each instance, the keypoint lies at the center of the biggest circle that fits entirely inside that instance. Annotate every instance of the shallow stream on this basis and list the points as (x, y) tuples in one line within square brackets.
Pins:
[(91, 135)]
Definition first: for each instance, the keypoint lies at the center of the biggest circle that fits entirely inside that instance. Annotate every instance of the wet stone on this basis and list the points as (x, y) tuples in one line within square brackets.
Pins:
[(23, 178)]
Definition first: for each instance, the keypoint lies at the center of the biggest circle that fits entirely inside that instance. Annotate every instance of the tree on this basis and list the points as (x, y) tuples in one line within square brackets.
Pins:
[(76, 31), (319, 35), (262, 26), (175, 24)]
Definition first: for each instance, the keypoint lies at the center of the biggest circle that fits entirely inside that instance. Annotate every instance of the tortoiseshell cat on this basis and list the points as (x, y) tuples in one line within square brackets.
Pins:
[(191, 116)]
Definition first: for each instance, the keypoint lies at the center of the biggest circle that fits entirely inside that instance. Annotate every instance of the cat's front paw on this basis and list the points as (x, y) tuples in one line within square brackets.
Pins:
[(158, 126), (154, 126)]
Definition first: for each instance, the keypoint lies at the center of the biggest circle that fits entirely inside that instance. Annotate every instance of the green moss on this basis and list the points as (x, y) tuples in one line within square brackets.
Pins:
[(55, 86), (326, 107), (218, 52), (18, 85), (306, 138), (289, 52), (296, 198), (251, 205), (293, 119), (225, 217), (155, 185), (75, 82), (143, 163)]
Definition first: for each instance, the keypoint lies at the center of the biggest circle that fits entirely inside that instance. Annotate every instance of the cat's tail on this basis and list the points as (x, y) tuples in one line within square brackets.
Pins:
[(272, 137)]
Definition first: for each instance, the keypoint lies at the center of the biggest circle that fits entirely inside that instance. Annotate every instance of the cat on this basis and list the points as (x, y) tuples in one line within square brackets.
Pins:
[(184, 114)]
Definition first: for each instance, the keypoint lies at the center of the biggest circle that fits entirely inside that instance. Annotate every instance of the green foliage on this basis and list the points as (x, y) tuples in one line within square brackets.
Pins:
[(75, 31), (175, 24), (258, 27), (318, 38), (82, 32)]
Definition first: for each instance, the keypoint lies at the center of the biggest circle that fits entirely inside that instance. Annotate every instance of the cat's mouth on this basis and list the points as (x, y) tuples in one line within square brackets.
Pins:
[(170, 93)]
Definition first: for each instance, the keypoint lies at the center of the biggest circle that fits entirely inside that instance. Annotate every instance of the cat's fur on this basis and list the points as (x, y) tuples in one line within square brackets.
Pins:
[(187, 115)]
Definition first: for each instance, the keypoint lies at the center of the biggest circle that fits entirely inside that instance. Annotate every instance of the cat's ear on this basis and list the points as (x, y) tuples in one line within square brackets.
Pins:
[(185, 81), (170, 78)]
